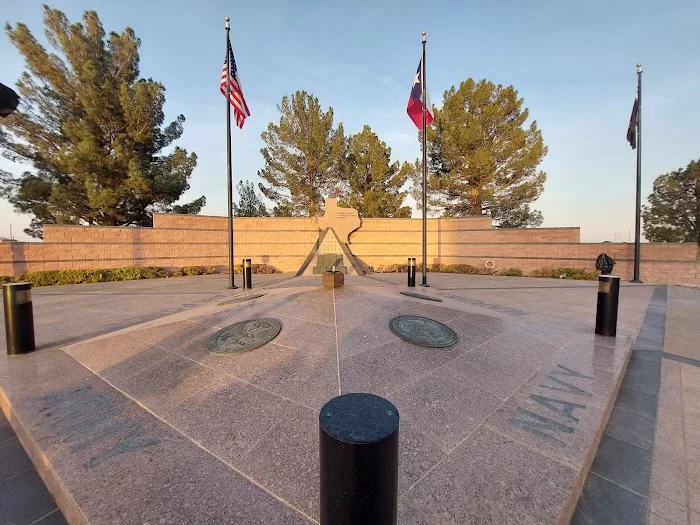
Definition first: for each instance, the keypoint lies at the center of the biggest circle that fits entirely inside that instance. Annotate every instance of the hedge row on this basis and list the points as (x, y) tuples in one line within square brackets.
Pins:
[(553, 273), (129, 273)]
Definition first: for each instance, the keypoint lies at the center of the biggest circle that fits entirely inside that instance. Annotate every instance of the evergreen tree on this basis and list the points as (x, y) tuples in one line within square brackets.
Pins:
[(373, 183), (673, 213), (92, 131), (481, 156), (303, 155), (249, 203)]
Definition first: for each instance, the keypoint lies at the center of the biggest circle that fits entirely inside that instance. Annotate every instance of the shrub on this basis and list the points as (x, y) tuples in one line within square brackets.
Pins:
[(177, 272), (264, 269), (256, 268), (392, 268), (578, 274), (4, 279), (153, 272), (210, 270), (192, 270), (511, 272), (443, 268)]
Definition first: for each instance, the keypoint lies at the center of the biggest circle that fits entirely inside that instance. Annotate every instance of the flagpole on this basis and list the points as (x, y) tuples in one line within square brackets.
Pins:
[(638, 211), (425, 168), (229, 181)]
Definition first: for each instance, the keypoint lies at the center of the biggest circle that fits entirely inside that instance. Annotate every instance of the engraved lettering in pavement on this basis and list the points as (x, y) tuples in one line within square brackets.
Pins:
[(565, 386), (555, 418), (540, 425), (83, 418)]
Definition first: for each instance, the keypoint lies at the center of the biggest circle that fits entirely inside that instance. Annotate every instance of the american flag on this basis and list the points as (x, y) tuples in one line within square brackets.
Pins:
[(240, 108)]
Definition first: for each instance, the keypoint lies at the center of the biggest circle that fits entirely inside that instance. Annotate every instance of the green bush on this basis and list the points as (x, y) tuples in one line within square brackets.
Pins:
[(193, 270), (511, 272), (58, 277), (256, 268), (210, 270), (578, 274), (443, 268)]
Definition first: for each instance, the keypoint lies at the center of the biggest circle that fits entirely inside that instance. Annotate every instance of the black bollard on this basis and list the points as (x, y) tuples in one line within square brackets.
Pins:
[(606, 312), (359, 448), (19, 317), (247, 274), (411, 272)]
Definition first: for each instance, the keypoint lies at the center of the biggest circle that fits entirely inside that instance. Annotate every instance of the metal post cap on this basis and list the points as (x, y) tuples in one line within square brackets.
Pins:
[(19, 286), (359, 418)]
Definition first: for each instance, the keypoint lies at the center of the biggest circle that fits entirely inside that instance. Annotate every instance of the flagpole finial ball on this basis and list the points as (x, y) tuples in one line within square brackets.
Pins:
[(227, 19)]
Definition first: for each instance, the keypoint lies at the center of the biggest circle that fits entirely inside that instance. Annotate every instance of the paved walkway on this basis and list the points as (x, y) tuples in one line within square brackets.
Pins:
[(65, 314), (24, 499), (207, 425), (675, 472)]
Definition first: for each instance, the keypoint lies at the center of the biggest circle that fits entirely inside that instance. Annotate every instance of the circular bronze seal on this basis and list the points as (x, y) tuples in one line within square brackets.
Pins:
[(244, 336), (423, 331)]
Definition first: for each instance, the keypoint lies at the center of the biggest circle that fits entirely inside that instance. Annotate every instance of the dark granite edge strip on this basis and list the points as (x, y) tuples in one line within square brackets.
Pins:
[(681, 359), (657, 300), (61, 495)]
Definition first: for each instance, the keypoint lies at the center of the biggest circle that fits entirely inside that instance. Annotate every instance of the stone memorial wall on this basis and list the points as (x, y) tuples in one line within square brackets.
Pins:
[(292, 245)]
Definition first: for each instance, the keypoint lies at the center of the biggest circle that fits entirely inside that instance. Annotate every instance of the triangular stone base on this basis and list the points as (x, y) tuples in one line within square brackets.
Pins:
[(327, 252)]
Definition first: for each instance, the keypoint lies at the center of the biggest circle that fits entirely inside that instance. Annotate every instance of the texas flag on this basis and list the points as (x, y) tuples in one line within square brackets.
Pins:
[(415, 106)]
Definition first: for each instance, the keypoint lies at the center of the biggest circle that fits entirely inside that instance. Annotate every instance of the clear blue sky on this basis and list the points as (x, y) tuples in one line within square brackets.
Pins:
[(573, 62)]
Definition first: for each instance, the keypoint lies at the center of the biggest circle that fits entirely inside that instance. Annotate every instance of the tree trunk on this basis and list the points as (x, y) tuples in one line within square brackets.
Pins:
[(475, 202)]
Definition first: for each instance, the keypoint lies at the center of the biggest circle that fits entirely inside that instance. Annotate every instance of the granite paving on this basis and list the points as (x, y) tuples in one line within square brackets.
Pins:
[(145, 424), (646, 468)]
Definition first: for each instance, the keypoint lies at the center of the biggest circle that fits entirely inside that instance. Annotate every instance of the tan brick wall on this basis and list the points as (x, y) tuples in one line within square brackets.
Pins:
[(184, 240), (6, 258)]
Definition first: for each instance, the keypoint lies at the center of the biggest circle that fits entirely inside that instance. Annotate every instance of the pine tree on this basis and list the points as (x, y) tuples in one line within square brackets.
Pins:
[(374, 183), (673, 213), (92, 131), (482, 157), (303, 155), (249, 203)]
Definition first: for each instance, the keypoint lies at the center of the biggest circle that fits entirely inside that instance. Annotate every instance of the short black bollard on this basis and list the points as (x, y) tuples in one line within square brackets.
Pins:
[(606, 313), (359, 448), (412, 272), (19, 317), (247, 274)]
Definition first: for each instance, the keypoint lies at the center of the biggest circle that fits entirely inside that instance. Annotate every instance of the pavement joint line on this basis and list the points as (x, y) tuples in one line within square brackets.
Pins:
[(482, 424), (628, 442), (8, 439), (623, 488), (211, 368), (680, 359), (685, 444), (337, 346), (17, 473), (206, 450), (432, 372), (531, 448), (45, 516)]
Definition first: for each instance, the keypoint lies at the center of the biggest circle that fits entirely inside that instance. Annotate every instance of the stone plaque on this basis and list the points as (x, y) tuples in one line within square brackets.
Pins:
[(244, 336), (423, 331), (421, 296), (343, 220), (242, 299)]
